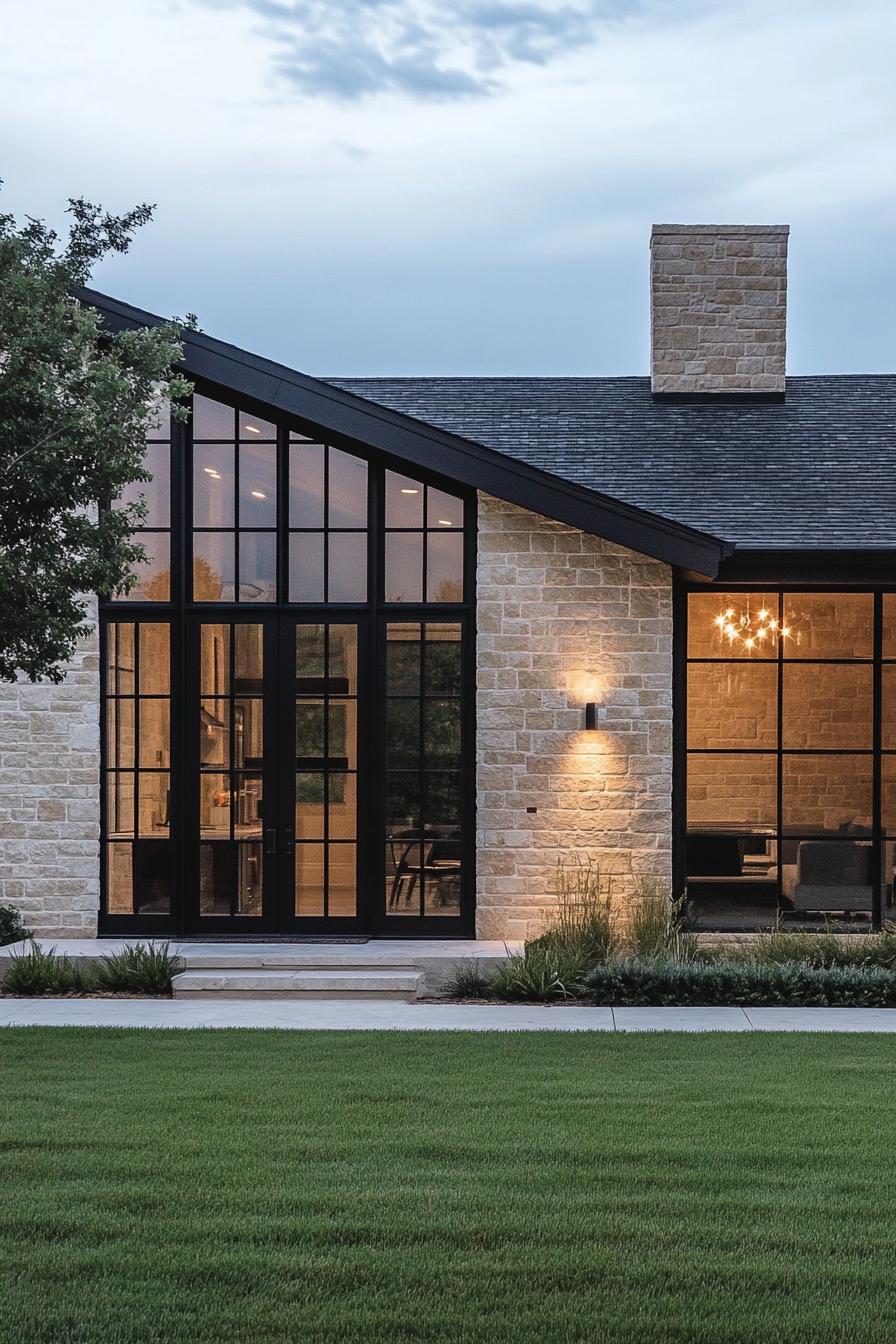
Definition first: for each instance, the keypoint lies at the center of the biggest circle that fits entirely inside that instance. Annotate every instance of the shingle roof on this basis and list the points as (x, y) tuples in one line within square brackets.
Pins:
[(818, 470)]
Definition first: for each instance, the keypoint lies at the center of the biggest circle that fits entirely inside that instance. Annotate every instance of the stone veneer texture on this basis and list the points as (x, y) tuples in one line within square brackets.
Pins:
[(50, 798), (718, 308), (563, 617)]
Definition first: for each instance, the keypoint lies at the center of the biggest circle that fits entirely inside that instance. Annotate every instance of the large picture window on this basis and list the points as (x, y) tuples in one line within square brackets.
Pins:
[(788, 701), (284, 690)]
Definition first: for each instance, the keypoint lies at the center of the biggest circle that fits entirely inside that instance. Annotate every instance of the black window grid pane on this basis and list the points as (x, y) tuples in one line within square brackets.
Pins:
[(876, 835), (325, 768), (427, 530)]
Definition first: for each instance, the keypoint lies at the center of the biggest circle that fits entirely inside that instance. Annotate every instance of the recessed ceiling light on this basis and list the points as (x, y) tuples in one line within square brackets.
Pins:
[(252, 429), (258, 494), (446, 522), (405, 490)]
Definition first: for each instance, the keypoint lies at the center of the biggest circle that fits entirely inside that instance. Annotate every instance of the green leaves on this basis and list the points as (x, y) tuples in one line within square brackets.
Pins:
[(75, 405)]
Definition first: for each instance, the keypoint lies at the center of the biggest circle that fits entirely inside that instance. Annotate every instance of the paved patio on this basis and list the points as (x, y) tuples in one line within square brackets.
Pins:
[(367, 1015)]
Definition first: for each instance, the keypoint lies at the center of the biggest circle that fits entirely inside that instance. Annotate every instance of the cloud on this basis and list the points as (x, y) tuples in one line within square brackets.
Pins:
[(347, 50)]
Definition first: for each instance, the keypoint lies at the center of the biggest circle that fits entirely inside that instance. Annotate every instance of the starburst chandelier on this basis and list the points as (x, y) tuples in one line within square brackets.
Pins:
[(752, 632)]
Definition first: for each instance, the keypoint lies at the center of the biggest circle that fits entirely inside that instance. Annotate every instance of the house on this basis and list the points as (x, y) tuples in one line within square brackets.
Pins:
[(400, 645)]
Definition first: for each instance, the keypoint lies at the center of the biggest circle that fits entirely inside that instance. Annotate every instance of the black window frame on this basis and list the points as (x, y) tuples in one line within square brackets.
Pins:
[(767, 581), (181, 612)]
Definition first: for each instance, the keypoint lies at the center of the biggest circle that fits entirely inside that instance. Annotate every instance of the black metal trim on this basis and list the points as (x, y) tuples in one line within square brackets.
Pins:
[(275, 391)]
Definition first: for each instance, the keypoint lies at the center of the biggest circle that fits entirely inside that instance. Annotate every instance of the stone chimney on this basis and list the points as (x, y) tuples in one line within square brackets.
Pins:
[(718, 309)]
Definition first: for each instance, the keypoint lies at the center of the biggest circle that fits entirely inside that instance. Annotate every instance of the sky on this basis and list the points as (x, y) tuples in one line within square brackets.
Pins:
[(370, 187)]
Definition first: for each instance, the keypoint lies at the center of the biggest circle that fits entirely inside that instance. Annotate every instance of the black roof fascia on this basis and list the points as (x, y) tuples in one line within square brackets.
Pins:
[(861, 565), (413, 441)]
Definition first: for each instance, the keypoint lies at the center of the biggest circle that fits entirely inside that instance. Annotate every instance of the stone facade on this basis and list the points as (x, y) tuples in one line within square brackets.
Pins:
[(563, 618), (50, 798), (718, 307)]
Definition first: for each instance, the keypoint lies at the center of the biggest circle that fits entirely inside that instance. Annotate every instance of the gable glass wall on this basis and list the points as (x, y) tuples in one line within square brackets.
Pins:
[(789, 781), (288, 718)]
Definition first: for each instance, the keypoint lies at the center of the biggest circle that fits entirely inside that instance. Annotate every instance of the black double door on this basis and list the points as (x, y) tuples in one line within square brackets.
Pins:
[(278, 777)]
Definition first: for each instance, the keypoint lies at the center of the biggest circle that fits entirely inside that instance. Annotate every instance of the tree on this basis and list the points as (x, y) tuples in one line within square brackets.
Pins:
[(76, 403)]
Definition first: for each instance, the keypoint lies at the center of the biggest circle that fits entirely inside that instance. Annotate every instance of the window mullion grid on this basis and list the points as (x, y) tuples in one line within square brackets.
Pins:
[(421, 773), (236, 514), (231, 775)]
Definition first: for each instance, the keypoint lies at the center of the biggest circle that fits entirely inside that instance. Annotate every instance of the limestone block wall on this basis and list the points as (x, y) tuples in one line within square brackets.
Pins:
[(718, 307), (562, 618), (50, 798)]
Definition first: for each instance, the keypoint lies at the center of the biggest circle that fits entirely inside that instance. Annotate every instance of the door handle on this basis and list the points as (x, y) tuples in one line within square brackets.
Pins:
[(270, 842), (289, 841)]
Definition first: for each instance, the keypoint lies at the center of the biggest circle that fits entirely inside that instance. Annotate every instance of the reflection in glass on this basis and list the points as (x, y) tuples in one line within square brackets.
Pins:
[(120, 659), (258, 567), (155, 658), (888, 794), (827, 794), (827, 706), (342, 881), (404, 501), (248, 656), (306, 484), (347, 490), (258, 485), (443, 665), (888, 706), (442, 797), (404, 567), (443, 510), (441, 879), (119, 878), (160, 416), (403, 801), (306, 567), (310, 729), (155, 493), (732, 791), (120, 733), (733, 705), (214, 567), (253, 428), (343, 659), (402, 734), (216, 878), (347, 570), (444, 567), (214, 734), (403, 659), (309, 879), (829, 625), (310, 652), (153, 574), (213, 482), (441, 733), (211, 419)]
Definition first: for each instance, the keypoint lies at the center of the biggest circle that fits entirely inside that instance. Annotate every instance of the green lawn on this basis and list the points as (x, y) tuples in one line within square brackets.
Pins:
[(274, 1186)]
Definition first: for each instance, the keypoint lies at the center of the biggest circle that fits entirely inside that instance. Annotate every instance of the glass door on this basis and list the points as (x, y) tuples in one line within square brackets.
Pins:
[(322, 732), (232, 877)]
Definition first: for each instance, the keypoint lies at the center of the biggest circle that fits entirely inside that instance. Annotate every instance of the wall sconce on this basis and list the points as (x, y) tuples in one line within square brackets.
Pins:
[(591, 709)]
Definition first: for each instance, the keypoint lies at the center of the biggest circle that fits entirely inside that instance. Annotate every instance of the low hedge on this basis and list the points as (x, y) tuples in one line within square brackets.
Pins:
[(643, 983)]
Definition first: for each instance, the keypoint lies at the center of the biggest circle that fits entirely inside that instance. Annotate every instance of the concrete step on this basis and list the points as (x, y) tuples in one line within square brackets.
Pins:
[(320, 983)]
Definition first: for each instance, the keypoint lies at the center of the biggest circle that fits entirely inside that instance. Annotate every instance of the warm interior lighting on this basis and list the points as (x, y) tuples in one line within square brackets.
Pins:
[(258, 494), (748, 630), (446, 522), (210, 471), (405, 490), (252, 429)]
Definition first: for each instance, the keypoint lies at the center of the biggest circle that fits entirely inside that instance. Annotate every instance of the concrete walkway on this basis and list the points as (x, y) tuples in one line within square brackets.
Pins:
[(374, 1015)]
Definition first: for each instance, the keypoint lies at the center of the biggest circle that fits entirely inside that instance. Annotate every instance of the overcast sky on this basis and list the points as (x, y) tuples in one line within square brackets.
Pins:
[(420, 186)]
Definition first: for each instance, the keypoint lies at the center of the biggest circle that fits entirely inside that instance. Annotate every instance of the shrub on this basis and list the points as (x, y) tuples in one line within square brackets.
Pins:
[(635, 982), (39, 972), (659, 926), (146, 968), (581, 932), (823, 949), (12, 928), (468, 981), (541, 972)]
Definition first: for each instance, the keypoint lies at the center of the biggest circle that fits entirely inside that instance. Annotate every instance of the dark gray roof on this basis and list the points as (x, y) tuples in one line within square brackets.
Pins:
[(818, 470)]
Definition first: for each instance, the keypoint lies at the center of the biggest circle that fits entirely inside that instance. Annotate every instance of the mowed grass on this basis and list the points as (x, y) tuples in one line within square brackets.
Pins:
[(273, 1186)]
